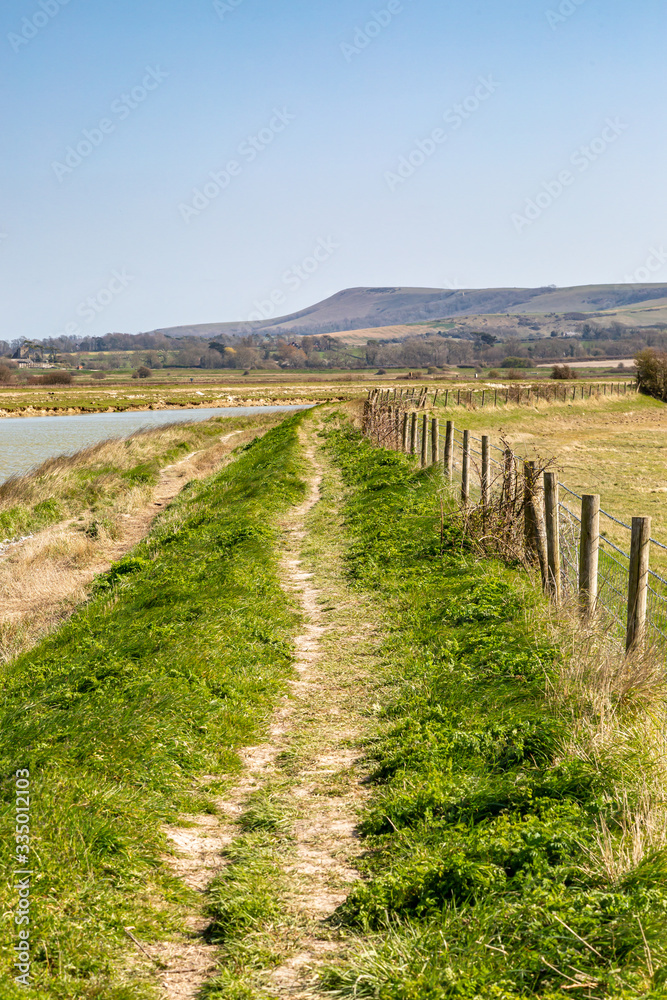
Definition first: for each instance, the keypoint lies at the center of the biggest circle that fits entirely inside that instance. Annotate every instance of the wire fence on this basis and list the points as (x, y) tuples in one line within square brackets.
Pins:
[(578, 559)]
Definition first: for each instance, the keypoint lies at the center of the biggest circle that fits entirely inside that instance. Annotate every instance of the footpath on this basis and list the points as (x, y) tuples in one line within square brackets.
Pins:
[(283, 840)]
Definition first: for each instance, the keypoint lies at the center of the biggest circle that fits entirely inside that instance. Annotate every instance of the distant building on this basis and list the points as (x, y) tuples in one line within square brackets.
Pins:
[(28, 353)]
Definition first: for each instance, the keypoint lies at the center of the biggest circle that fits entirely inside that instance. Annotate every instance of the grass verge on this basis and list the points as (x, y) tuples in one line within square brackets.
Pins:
[(123, 716), (505, 856)]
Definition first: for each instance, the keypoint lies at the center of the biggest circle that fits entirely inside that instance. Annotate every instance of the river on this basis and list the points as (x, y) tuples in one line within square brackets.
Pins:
[(29, 441)]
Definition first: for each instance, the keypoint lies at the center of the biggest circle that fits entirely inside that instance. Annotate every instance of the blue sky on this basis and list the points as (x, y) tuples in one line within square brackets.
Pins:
[(318, 120)]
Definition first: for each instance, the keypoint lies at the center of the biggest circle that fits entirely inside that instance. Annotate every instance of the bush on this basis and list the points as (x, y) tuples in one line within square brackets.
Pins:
[(517, 363), (6, 375), (51, 378), (652, 372), (142, 372), (563, 372), (99, 375), (494, 373)]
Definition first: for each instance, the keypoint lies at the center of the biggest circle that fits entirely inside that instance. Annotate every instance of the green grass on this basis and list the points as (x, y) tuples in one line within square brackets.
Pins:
[(483, 876), (175, 662), (100, 476)]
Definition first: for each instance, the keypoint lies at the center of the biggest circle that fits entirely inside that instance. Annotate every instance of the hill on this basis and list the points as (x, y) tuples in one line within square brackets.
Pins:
[(365, 308)]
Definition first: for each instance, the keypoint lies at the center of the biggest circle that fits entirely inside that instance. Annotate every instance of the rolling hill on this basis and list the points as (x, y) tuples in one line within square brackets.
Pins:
[(365, 308)]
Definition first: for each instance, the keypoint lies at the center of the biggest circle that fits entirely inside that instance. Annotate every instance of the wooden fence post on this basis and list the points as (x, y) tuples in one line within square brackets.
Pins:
[(552, 518), (435, 441), (413, 433), (536, 549), (465, 469), (486, 471), (424, 441), (406, 431), (589, 550), (640, 550), (449, 450)]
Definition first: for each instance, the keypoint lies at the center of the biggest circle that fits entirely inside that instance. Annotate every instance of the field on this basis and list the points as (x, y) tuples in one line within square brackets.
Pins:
[(193, 388), (303, 739), (614, 447)]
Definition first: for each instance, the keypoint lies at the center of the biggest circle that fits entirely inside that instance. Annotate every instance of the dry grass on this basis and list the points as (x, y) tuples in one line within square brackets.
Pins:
[(46, 576), (615, 707), (614, 447)]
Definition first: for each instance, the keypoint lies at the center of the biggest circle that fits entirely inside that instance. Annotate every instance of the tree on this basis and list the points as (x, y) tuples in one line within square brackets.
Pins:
[(563, 372), (652, 372)]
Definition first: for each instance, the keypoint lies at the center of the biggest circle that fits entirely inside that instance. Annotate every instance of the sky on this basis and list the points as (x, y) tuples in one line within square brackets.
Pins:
[(169, 162)]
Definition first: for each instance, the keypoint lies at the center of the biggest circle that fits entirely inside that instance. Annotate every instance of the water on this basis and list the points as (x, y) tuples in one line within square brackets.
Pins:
[(26, 442)]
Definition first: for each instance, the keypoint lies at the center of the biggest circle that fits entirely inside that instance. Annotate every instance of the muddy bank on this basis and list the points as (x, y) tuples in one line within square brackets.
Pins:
[(70, 411)]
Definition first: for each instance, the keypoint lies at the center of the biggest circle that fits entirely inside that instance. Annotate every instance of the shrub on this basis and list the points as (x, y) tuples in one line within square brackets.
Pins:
[(563, 372), (652, 372), (99, 375), (494, 373), (517, 363), (6, 375), (51, 378), (142, 372)]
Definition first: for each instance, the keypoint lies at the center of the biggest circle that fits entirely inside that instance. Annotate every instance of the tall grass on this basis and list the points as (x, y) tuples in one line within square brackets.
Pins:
[(516, 837), (133, 712)]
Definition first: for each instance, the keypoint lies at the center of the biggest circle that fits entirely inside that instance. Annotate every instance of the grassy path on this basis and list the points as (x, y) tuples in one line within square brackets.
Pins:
[(284, 837)]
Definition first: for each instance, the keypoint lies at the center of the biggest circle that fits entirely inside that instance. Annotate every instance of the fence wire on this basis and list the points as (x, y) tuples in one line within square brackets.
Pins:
[(613, 559)]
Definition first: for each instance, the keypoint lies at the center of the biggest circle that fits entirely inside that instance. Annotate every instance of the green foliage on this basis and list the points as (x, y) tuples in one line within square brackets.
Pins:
[(175, 662), (514, 362), (480, 880), (651, 368)]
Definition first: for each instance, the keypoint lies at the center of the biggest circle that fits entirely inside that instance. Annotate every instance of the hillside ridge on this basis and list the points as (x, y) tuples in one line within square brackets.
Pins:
[(365, 307)]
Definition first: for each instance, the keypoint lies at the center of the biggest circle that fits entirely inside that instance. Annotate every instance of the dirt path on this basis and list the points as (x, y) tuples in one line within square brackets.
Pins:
[(310, 762), (45, 576)]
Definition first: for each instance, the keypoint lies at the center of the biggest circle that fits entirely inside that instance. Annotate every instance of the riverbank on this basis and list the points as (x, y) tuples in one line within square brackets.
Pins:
[(72, 517), (209, 403)]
